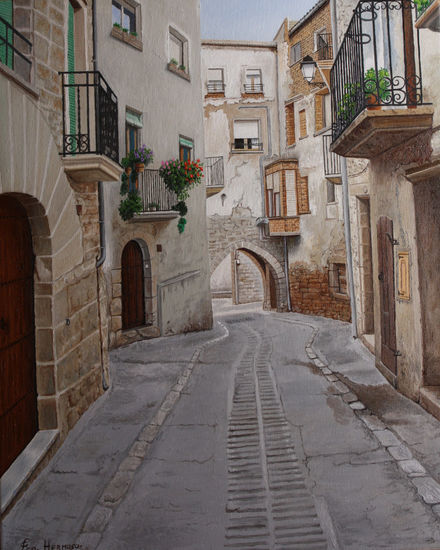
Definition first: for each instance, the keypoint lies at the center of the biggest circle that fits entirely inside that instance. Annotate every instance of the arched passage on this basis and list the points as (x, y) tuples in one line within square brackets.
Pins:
[(18, 391), (275, 295), (133, 291)]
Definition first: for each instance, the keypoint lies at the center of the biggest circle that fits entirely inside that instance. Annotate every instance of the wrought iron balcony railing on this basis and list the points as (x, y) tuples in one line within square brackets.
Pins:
[(247, 144), (378, 62), (325, 46), (332, 164), (154, 193), (215, 86), (255, 88), (90, 115), (15, 50), (214, 172)]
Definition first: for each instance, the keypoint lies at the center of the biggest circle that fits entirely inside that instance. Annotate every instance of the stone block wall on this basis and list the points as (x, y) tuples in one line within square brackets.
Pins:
[(310, 293), (250, 282)]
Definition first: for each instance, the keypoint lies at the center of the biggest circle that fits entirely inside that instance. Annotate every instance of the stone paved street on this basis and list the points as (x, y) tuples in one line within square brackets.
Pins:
[(269, 432)]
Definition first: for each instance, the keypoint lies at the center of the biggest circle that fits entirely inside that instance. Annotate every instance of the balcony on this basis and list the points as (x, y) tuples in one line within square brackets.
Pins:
[(253, 88), (376, 81), (284, 227), (332, 164), (247, 144), (15, 52), (214, 175), (215, 88), (428, 15), (157, 200), (324, 45), (90, 128)]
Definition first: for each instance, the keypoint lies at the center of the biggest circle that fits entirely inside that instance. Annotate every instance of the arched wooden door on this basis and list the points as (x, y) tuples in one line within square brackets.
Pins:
[(18, 394), (133, 297)]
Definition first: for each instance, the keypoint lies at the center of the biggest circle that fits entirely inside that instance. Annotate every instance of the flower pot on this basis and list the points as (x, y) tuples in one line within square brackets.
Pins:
[(128, 170), (372, 103), (140, 167)]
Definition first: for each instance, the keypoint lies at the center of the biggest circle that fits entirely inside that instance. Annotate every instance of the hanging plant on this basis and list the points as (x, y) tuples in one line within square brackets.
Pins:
[(179, 177), (133, 165)]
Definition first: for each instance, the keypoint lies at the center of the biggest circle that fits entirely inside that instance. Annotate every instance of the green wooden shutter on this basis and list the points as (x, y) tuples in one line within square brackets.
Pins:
[(71, 67), (6, 13)]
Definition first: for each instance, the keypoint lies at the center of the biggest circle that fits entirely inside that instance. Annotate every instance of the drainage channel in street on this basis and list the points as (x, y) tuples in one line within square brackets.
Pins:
[(269, 506)]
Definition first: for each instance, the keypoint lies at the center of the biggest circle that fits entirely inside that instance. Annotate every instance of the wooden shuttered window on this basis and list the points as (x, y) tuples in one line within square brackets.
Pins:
[(6, 14), (319, 112), (290, 124), (302, 194), (302, 123)]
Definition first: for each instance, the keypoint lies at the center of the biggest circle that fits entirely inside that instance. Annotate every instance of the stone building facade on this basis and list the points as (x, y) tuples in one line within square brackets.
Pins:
[(53, 343), (174, 267), (239, 85), (316, 254), (394, 199)]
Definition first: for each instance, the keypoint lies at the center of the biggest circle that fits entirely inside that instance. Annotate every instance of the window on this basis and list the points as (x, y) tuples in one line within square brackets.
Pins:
[(273, 207), (133, 126), (186, 147), (295, 53), (124, 14), (290, 124), (338, 278), (323, 115), (319, 38), (247, 135), (327, 114), (330, 192), (302, 124), (215, 82), (253, 83), (178, 50)]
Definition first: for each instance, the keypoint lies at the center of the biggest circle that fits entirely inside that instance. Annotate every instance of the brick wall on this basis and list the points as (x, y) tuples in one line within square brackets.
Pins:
[(305, 35), (310, 293), (250, 282)]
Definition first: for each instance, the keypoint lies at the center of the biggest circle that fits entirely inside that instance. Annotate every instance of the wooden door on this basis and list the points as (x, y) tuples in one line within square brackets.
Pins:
[(18, 395), (133, 299), (387, 293)]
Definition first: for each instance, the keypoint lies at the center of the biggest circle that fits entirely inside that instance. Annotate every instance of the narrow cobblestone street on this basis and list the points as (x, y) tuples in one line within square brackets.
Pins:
[(250, 436)]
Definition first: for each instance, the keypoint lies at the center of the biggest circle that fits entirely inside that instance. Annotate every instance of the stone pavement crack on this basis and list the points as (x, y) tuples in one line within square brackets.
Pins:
[(269, 505)]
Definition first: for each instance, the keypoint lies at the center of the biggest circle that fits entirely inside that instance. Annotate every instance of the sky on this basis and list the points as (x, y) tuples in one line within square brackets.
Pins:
[(248, 19)]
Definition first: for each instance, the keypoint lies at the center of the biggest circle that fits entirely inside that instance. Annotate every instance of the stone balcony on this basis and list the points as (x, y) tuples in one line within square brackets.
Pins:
[(284, 227)]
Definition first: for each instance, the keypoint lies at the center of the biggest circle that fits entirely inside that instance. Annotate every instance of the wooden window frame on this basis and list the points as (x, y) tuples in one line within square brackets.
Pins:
[(301, 135), (182, 41), (295, 47), (290, 123), (132, 7)]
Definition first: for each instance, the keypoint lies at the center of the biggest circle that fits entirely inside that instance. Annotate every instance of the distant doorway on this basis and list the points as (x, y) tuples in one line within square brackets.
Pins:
[(18, 392), (133, 295)]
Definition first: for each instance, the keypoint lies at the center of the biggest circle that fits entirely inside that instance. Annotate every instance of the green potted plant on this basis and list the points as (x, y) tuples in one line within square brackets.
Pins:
[(117, 26), (174, 62), (182, 68), (347, 105), (376, 87), (133, 164), (179, 177), (421, 6)]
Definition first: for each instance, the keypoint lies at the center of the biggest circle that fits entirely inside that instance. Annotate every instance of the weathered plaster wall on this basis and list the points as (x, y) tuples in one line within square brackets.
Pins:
[(171, 106)]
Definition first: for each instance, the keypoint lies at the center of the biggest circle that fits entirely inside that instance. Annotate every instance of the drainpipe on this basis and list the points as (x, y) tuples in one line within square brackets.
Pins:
[(102, 248), (286, 270), (345, 199)]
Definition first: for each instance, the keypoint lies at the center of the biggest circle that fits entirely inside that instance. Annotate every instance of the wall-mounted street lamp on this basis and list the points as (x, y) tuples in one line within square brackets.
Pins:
[(308, 68)]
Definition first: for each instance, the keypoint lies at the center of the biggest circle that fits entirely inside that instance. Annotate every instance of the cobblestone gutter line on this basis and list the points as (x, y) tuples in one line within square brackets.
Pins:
[(118, 486), (426, 486)]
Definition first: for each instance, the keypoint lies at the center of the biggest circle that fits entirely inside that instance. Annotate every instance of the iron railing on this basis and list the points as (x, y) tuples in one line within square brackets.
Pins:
[(255, 88), (90, 115), (378, 62), (324, 46), (247, 144), (332, 164), (215, 86), (214, 172), (154, 193), (15, 50)]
